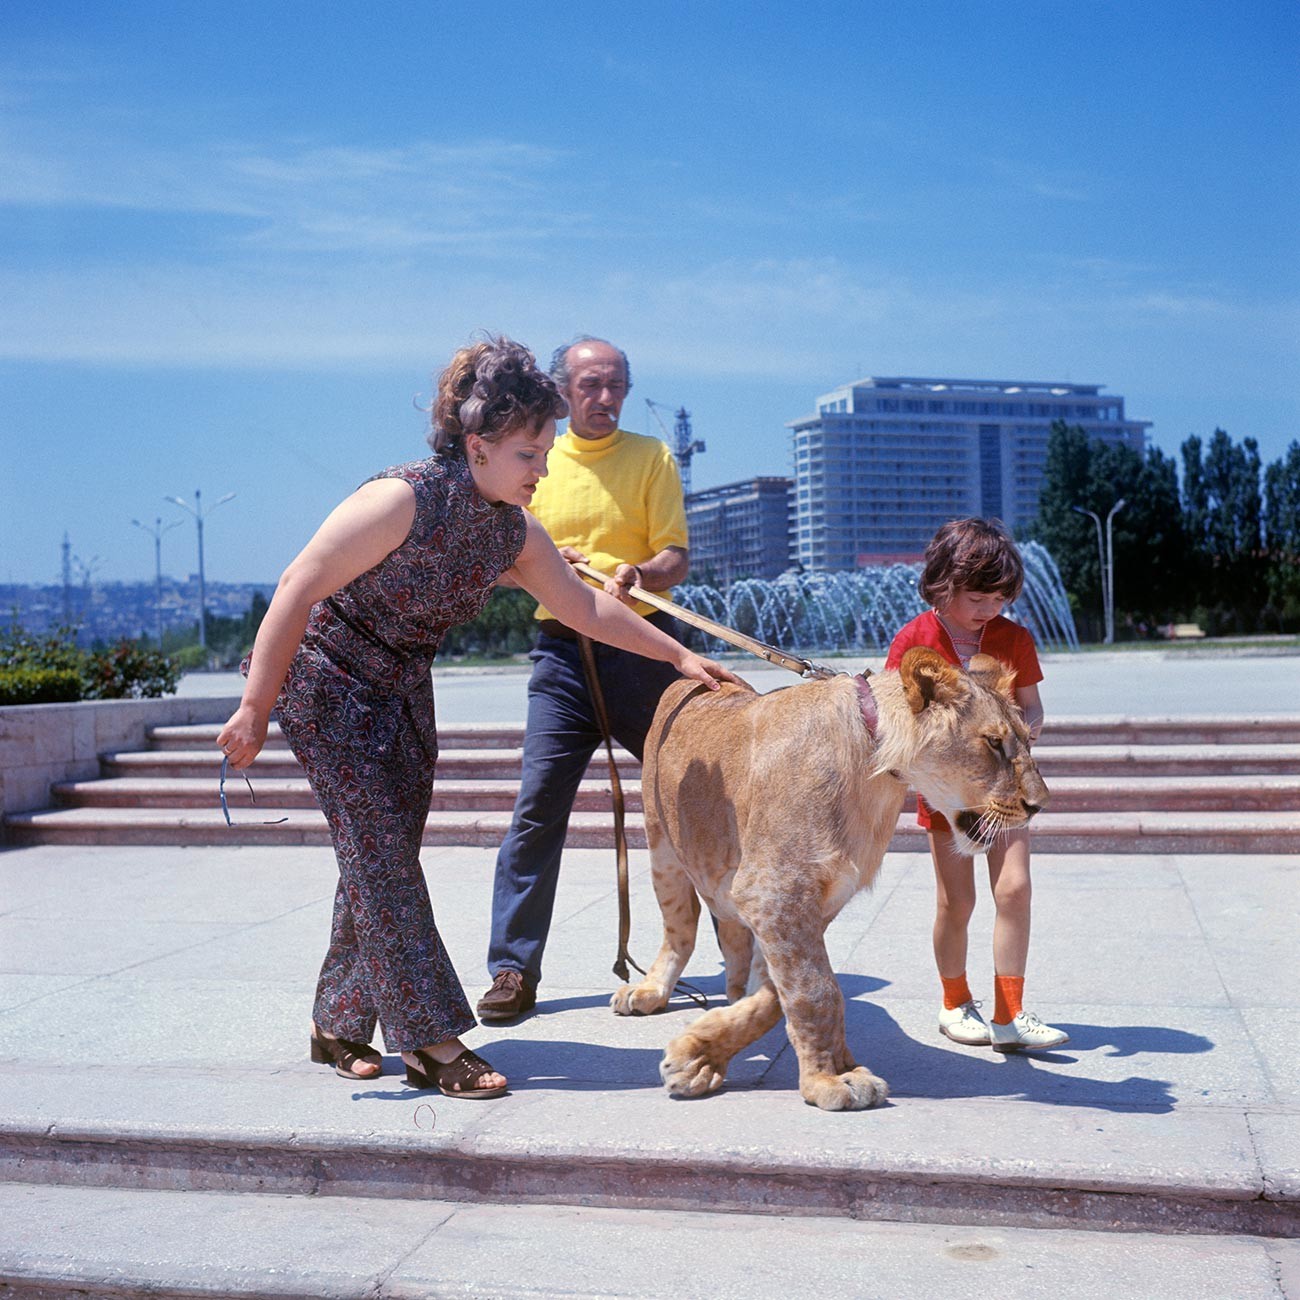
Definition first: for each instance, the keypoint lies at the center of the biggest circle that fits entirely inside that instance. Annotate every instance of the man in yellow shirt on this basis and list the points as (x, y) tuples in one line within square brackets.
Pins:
[(614, 499)]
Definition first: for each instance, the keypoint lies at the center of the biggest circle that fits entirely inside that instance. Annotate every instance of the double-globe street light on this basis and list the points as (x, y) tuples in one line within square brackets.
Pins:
[(199, 515), (156, 532), (1106, 558)]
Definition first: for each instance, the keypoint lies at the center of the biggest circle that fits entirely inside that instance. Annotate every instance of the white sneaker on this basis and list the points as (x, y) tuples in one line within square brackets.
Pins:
[(964, 1025), (1026, 1033)]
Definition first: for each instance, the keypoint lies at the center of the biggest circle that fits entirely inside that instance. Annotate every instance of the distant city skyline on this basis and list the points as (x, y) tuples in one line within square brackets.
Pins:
[(229, 265), (110, 611)]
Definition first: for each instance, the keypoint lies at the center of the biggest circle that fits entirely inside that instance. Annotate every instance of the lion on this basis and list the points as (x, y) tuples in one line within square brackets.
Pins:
[(776, 809)]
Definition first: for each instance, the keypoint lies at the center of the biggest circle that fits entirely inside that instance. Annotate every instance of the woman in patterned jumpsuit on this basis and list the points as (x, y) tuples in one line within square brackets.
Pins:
[(344, 653)]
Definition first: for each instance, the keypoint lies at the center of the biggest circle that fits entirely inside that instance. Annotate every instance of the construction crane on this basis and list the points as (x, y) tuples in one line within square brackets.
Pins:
[(680, 441)]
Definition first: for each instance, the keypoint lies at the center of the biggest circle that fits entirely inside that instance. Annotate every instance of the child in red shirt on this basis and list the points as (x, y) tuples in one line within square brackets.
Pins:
[(972, 569)]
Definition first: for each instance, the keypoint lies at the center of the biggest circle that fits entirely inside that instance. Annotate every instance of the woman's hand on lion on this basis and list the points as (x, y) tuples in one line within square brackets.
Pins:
[(707, 671)]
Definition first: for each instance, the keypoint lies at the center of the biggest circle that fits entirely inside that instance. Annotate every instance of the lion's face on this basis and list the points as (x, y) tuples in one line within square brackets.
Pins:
[(972, 759)]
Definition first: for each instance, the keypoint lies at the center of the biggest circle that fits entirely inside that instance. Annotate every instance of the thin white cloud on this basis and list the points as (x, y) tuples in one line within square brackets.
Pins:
[(770, 318), (1062, 185), (1168, 303), (300, 196), (365, 316)]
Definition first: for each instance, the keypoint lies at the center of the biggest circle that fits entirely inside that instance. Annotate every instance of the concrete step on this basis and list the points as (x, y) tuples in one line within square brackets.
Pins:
[(1132, 793), (1118, 762), (294, 792), (1208, 729), (1069, 794), (95, 1241), (1189, 729), (275, 826), (503, 764), (459, 736), (1054, 832), (453, 764), (298, 1130)]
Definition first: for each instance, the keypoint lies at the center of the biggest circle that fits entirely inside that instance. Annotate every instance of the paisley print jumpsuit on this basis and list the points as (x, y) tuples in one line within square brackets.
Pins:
[(357, 711)]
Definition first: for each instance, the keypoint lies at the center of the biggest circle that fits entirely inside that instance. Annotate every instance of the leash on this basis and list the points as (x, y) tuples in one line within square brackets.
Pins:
[(624, 958), (804, 667), (770, 654)]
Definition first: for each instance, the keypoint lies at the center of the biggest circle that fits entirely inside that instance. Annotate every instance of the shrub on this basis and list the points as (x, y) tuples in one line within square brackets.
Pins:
[(39, 686), (55, 663), (55, 650), (192, 658), (126, 671)]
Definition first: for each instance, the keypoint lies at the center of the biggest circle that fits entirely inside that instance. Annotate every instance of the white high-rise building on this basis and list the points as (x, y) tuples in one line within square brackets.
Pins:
[(885, 461)]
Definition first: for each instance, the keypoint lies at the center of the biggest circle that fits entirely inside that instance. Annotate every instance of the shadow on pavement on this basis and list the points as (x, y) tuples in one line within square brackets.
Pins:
[(917, 1069), (912, 1067)]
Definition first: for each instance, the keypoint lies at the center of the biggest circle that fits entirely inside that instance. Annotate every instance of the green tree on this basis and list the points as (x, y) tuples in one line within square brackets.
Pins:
[(1069, 536), (504, 627), (1150, 547), (1222, 511), (229, 638), (1149, 542), (1282, 540)]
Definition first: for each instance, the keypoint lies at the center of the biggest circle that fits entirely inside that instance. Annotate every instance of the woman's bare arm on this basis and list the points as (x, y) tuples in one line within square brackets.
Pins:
[(545, 574), (358, 533)]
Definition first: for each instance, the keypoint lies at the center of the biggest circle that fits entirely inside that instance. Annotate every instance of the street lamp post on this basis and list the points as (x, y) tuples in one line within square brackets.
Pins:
[(199, 515), (156, 532), (1106, 560), (1110, 573)]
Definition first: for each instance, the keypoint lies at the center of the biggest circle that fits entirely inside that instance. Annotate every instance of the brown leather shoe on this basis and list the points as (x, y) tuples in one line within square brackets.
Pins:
[(510, 996)]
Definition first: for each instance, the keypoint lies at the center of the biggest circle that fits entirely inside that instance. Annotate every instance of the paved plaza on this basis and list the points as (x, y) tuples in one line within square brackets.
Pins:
[(154, 1007), (1137, 683)]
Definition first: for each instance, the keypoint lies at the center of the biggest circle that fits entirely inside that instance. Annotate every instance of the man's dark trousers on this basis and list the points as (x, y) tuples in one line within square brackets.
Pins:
[(561, 737)]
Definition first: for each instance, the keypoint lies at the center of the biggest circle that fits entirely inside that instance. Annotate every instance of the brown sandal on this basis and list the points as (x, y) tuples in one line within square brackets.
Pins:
[(343, 1055), (454, 1078)]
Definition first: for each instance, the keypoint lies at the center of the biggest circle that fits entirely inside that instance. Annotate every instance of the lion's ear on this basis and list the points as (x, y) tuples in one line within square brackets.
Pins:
[(927, 678), (994, 675)]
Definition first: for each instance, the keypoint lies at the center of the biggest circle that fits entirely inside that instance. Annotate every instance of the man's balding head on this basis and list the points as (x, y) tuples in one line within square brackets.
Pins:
[(594, 377)]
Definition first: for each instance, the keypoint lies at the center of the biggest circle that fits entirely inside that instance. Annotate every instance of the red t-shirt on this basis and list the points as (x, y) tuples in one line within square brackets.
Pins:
[(1006, 641)]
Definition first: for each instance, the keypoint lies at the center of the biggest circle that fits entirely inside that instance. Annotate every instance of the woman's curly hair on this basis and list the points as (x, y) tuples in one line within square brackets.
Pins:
[(492, 388)]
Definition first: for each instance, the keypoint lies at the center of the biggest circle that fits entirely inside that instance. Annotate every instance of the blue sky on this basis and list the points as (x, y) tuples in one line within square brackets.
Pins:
[(238, 239)]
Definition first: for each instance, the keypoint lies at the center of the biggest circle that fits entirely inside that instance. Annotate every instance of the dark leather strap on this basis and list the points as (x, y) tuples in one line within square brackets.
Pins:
[(624, 958), (867, 702)]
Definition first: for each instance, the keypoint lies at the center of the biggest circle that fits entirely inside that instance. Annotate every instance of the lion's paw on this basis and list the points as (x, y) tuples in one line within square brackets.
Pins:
[(688, 1071), (638, 1000), (856, 1089)]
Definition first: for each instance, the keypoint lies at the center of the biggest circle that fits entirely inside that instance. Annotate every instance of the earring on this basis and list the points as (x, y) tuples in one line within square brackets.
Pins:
[(480, 458)]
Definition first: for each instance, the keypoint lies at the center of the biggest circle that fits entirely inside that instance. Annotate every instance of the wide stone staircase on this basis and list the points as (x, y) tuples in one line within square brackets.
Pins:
[(1157, 785)]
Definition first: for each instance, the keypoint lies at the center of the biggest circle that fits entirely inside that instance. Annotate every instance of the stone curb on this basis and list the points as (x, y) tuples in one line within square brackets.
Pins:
[(469, 1170)]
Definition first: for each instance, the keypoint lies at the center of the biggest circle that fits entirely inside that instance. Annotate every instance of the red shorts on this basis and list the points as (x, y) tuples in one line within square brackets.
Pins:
[(928, 819)]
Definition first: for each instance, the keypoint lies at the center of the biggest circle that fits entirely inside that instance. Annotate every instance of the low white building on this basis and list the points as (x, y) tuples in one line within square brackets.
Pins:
[(740, 530)]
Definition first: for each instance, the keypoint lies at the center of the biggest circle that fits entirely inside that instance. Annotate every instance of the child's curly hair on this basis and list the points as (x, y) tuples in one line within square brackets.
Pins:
[(971, 555), (492, 388)]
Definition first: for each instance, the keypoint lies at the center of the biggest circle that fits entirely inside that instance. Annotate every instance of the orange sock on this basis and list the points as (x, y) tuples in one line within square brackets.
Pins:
[(956, 993), (1008, 997)]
